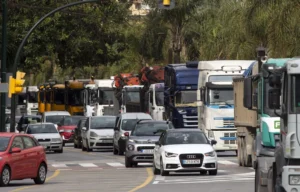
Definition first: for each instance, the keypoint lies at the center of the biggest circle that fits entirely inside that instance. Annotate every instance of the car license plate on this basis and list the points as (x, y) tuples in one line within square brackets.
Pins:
[(106, 141), (148, 151), (197, 161)]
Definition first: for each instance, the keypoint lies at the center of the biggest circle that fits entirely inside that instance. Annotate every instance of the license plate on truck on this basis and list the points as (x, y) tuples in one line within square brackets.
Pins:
[(148, 151), (196, 161)]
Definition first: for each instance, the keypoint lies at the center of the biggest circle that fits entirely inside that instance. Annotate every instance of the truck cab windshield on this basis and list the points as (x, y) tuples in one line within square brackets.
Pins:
[(93, 96), (295, 100), (59, 96), (32, 97), (133, 96), (186, 98), (74, 97), (220, 96), (159, 98), (106, 97)]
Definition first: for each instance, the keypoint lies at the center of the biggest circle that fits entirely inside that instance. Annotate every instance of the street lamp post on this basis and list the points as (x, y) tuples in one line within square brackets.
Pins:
[(16, 61)]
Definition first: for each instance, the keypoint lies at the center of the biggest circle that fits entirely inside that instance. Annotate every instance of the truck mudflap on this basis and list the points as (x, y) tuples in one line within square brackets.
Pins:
[(291, 178)]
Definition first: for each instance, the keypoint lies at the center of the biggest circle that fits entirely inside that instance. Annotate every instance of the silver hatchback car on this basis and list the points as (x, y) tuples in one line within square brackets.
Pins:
[(141, 142)]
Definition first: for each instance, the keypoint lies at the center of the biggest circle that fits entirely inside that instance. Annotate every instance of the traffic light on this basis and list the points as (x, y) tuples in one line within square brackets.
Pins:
[(166, 4), (16, 84)]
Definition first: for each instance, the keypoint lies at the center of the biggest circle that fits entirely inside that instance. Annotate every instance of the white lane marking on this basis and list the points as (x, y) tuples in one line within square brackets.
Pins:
[(227, 163), (155, 182), (64, 169), (159, 178), (87, 165), (115, 164), (59, 165)]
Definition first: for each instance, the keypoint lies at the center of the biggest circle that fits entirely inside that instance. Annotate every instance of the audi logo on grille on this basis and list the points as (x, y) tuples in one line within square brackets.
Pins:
[(191, 156)]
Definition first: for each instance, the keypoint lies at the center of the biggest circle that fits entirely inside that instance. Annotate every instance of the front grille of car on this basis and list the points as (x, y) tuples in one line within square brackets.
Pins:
[(104, 144), (188, 157), (44, 140), (144, 147)]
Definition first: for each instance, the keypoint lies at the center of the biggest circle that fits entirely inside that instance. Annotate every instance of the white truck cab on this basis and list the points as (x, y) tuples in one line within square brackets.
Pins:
[(32, 100), (155, 101)]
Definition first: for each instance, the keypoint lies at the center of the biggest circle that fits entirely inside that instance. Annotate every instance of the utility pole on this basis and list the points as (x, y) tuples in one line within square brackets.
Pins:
[(3, 64)]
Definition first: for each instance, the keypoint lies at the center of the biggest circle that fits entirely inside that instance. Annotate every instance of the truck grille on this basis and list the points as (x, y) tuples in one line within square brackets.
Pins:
[(190, 157), (190, 121), (228, 123)]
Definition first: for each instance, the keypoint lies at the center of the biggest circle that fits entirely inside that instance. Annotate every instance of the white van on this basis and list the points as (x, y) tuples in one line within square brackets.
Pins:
[(54, 116), (125, 122)]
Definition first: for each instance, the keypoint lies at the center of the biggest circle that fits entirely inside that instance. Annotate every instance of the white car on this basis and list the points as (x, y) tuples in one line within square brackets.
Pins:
[(184, 150), (47, 136), (98, 133)]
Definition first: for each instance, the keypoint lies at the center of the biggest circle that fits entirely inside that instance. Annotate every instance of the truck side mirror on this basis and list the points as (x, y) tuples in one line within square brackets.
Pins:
[(248, 93), (274, 98), (275, 80)]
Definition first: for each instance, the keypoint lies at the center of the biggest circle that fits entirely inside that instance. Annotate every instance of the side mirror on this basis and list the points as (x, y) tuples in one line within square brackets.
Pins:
[(83, 128), (275, 80), (213, 142), (248, 93), (16, 150), (274, 98), (157, 143)]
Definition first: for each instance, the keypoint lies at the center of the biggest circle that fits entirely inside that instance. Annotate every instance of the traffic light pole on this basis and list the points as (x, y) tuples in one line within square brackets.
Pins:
[(3, 65), (17, 57)]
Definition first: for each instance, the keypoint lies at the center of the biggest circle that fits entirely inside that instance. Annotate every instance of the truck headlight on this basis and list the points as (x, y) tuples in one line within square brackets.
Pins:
[(130, 147), (93, 134), (294, 179), (210, 154), (167, 154)]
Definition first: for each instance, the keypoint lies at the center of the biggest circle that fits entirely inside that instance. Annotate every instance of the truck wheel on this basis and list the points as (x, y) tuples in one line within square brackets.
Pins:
[(239, 151)]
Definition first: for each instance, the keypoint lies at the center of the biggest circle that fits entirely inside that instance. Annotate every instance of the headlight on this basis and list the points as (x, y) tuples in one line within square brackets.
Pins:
[(93, 134), (181, 111), (56, 140), (170, 154), (130, 147), (210, 154), (294, 179), (130, 140)]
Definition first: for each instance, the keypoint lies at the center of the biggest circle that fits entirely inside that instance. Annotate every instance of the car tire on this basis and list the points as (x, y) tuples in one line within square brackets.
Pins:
[(115, 151), (64, 143), (155, 170), (88, 149), (162, 171), (60, 151), (41, 174), (213, 172), (128, 162), (5, 176), (203, 172)]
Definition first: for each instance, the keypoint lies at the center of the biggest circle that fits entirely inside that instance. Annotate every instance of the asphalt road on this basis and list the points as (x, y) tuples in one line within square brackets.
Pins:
[(75, 170)]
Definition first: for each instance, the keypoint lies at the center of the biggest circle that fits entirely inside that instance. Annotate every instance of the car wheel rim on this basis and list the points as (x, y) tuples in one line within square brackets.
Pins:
[(5, 176), (42, 173)]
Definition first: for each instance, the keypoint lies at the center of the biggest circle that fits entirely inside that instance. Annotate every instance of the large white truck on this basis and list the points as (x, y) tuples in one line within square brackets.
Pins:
[(32, 100), (215, 100), (97, 96), (154, 101)]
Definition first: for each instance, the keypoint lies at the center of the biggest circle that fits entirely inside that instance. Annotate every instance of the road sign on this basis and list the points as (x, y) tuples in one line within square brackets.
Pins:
[(3, 87)]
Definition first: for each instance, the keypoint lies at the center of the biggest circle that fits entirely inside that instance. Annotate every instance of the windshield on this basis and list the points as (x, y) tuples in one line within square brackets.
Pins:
[(221, 78), (59, 96), (21, 98), (54, 119), (186, 98), (149, 129), (32, 97), (221, 96), (41, 128), (32, 120), (129, 124), (48, 96), (133, 96), (106, 97), (295, 103), (42, 96), (159, 98), (71, 120), (4, 141), (93, 96), (175, 138), (74, 97), (103, 122)]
